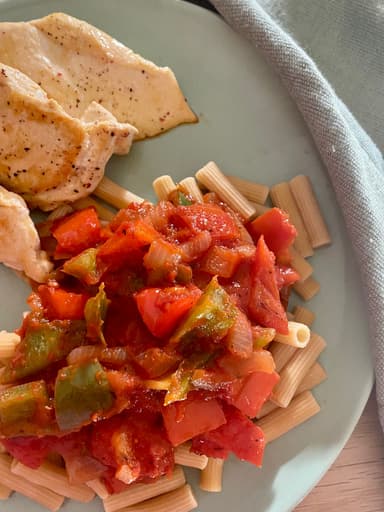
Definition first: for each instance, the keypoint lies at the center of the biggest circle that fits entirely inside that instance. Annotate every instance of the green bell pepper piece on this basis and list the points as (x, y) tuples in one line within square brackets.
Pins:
[(84, 267), (43, 343), (211, 317), (95, 312), (82, 392)]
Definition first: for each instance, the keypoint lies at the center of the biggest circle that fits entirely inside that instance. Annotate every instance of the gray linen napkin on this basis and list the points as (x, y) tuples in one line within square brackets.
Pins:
[(354, 163)]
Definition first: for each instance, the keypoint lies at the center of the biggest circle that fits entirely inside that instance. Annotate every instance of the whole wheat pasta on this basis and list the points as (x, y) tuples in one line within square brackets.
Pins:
[(303, 315), (191, 188), (259, 208), (8, 342), (185, 457), (54, 478), (281, 421), (294, 371), (102, 212), (298, 335), (140, 492), (60, 211), (99, 488), (307, 289), (300, 264), (282, 197), (212, 476), (5, 492), (214, 180), (46, 497), (309, 208), (254, 192), (281, 354), (290, 316), (163, 186), (315, 376), (115, 195), (179, 500)]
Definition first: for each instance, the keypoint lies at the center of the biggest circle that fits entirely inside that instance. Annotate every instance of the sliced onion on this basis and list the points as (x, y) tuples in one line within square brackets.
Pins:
[(161, 254), (258, 361), (82, 354), (196, 246), (239, 338), (82, 468)]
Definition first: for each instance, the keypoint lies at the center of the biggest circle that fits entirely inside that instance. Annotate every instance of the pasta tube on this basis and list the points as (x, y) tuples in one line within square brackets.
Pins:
[(179, 500), (211, 477), (281, 354), (307, 289), (102, 212), (298, 335), (163, 186), (309, 208), (214, 180), (115, 195), (303, 315), (191, 188), (185, 457), (281, 421), (254, 192)]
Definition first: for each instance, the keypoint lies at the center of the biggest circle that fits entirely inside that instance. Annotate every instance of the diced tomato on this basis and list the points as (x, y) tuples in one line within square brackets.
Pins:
[(162, 308), (62, 305), (258, 361), (189, 418), (265, 307), (133, 212), (250, 393), (238, 435), (76, 232), (239, 285), (285, 276), (126, 243), (221, 261), (278, 232), (31, 451), (208, 217)]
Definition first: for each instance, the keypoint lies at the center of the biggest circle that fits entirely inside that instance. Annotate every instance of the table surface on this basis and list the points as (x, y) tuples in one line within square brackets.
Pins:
[(355, 482)]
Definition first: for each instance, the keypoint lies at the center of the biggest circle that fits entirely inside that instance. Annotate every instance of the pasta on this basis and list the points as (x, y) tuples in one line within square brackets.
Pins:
[(309, 208), (315, 376), (46, 497), (115, 195), (54, 478), (8, 342), (303, 315), (254, 192), (60, 211), (212, 178), (163, 186), (281, 421), (5, 492), (307, 289), (281, 354), (179, 500), (191, 188), (103, 212), (282, 197), (298, 335), (99, 488), (211, 477), (142, 492), (300, 264), (295, 370), (185, 457)]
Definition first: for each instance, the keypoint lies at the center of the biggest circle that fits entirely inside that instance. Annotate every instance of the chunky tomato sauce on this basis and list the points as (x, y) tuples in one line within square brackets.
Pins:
[(152, 332)]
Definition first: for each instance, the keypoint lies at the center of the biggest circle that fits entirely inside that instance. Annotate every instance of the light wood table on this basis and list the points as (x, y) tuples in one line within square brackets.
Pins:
[(355, 482)]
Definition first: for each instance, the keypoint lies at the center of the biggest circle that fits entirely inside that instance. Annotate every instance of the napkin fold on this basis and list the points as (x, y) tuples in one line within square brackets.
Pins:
[(355, 165)]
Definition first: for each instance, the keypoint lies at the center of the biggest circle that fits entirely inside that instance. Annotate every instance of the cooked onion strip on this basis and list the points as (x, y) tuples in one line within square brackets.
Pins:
[(8, 342)]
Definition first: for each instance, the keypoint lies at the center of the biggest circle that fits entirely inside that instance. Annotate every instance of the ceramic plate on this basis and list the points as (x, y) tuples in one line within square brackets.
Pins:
[(251, 128)]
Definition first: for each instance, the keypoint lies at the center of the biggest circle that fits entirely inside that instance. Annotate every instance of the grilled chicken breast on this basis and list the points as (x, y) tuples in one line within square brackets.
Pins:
[(75, 63), (46, 155), (19, 241)]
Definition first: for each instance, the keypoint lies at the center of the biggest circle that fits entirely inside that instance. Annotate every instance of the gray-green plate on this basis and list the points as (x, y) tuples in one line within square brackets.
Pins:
[(251, 128)]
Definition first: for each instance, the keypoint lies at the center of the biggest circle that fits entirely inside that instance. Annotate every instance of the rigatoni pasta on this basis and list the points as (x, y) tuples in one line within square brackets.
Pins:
[(191, 188), (298, 335), (211, 478), (163, 186), (254, 192), (212, 178), (179, 500), (303, 315), (309, 208), (115, 195), (307, 289), (184, 457)]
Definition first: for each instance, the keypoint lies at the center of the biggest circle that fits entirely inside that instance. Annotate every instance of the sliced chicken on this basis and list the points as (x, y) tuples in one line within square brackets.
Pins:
[(46, 155), (19, 241), (76, 63)]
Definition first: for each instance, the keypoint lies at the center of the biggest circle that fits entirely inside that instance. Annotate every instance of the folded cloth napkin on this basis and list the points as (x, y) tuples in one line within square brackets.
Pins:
[(355, 165)]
